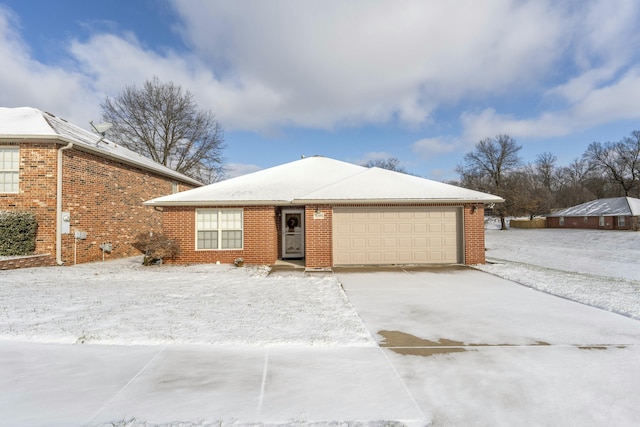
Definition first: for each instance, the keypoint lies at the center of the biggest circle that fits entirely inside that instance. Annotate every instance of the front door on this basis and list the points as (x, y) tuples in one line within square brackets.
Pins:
[(293, 233)]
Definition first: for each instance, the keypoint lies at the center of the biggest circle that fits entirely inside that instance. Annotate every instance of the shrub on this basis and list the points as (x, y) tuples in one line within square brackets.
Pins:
[(17, 233), (155, 247)]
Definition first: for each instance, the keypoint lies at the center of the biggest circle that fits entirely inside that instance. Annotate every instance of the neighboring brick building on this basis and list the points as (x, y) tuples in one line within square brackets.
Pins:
[(329, 213), (617, 213), (85, 190)]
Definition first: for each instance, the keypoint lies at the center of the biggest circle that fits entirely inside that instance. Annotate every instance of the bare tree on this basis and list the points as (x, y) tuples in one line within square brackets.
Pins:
[(618, 161), (545, 167), (489, 165), (161, 121), (391, 163)]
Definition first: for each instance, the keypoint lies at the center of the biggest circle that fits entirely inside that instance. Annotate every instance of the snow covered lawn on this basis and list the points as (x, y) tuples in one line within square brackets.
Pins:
[(594, 267), (123, 302)]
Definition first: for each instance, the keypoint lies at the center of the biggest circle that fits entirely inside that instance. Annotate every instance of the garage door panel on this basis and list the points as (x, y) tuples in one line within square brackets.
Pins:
[(405, 228), (396, 235)]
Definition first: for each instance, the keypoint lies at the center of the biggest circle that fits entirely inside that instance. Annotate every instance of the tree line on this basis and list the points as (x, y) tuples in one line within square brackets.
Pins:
[(604, 170)]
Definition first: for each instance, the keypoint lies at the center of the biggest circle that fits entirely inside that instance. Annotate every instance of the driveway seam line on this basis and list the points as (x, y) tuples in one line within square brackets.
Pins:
[(263, 383), (404, 386), (138, 374)]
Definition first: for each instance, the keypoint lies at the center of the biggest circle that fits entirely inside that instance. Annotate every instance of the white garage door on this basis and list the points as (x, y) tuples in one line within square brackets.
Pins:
[(417, 235)]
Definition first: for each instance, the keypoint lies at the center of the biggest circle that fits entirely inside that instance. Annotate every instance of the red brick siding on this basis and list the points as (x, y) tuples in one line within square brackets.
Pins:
[(260, 236), (37, 191), (44, 260), (593, 222), (319, 237), (104, 199), (474, 245)]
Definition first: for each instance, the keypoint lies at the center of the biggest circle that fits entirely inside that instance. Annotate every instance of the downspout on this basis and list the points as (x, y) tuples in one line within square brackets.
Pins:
[(59, 205)]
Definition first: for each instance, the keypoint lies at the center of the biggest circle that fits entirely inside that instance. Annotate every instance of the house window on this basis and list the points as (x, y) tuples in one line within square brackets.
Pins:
[(561, 221), (174, 187), (9, 169), (620, 221), (585, 219), (601, 221), (219, 228)]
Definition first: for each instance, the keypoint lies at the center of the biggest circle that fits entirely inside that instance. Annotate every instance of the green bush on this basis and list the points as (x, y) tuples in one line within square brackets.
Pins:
[(17, 233)]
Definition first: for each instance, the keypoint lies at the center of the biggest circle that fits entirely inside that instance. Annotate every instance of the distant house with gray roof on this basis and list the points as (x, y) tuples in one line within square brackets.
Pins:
[(617, 213)]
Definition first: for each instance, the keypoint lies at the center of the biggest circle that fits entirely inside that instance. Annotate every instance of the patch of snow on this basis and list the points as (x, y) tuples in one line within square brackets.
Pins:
[(595, 267), (123, 302)]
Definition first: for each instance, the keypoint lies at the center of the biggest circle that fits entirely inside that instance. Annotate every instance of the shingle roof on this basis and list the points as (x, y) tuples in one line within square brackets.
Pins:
[(30, 123), (323, 180), (616, 206)]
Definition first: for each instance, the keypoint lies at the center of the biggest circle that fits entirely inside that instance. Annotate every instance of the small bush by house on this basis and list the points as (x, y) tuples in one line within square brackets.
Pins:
[(17, 233), (155, 247)]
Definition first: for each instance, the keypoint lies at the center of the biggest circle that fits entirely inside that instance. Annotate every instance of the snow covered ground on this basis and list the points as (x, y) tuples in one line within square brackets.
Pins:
[(294, 350), (123, 302), (594, 267)]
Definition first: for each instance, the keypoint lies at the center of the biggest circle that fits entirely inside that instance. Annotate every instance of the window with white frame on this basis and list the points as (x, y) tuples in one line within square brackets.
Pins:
[(601, 221), (561, 221), (620, 221), (9, 169), (219, 229)]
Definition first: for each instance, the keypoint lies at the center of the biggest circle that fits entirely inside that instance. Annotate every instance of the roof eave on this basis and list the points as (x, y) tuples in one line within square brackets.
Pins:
[(88, 148), (219, 203), (393, 201)]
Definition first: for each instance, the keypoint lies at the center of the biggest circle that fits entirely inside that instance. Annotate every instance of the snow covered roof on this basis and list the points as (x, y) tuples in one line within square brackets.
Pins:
[(323, 180), (616, 206), (26, 123)]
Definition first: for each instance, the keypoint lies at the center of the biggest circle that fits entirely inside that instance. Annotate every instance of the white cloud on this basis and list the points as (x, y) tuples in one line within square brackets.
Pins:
[(428, 147), (358, 62), (328, 64), (237, 169), (24, 82), (619, 100)]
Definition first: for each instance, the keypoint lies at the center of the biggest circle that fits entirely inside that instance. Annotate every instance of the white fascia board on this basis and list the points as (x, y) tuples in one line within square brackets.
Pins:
[(219, 203), (392, 201)]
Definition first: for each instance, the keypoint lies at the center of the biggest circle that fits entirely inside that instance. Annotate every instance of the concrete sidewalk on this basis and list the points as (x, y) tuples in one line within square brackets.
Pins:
[(77, 385)]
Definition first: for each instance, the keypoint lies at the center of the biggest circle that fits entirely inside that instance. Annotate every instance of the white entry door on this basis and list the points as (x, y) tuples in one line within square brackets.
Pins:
[(293, 233)]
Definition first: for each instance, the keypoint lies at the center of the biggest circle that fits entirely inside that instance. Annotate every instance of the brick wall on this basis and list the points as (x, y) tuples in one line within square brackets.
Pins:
[(37, 191), (14, 263), (474, 246), (104, 199), (260, 236), (318, 236)]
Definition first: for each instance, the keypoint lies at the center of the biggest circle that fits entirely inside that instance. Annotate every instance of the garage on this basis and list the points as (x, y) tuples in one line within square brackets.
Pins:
[(398, 235)]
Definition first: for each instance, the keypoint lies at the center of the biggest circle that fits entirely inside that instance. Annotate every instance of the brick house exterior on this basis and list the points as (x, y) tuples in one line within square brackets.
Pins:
[(102, 190), (190, 217), (618, 213)]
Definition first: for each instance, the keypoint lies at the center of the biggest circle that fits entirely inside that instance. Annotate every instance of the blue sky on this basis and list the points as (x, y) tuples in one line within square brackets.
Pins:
[(422, 81)]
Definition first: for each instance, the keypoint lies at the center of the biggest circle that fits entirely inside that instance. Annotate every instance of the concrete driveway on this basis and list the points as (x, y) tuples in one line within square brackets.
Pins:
[(474, 349)]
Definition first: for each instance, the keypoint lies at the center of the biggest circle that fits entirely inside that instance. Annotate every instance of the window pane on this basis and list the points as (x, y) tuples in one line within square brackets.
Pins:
[(232, 240), (207, 240), (207, 220), (9, 169), (8, 182), (231, 219)]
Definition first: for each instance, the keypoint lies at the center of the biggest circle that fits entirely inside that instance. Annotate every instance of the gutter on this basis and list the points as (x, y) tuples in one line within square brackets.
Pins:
[(335, 202), (59, 205)]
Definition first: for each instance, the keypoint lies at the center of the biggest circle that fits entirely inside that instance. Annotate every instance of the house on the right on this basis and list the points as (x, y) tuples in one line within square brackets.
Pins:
[(618, 213)]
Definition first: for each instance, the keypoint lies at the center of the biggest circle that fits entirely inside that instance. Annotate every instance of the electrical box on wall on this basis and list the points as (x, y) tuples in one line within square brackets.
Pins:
[(65, 226), (81, 235)]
